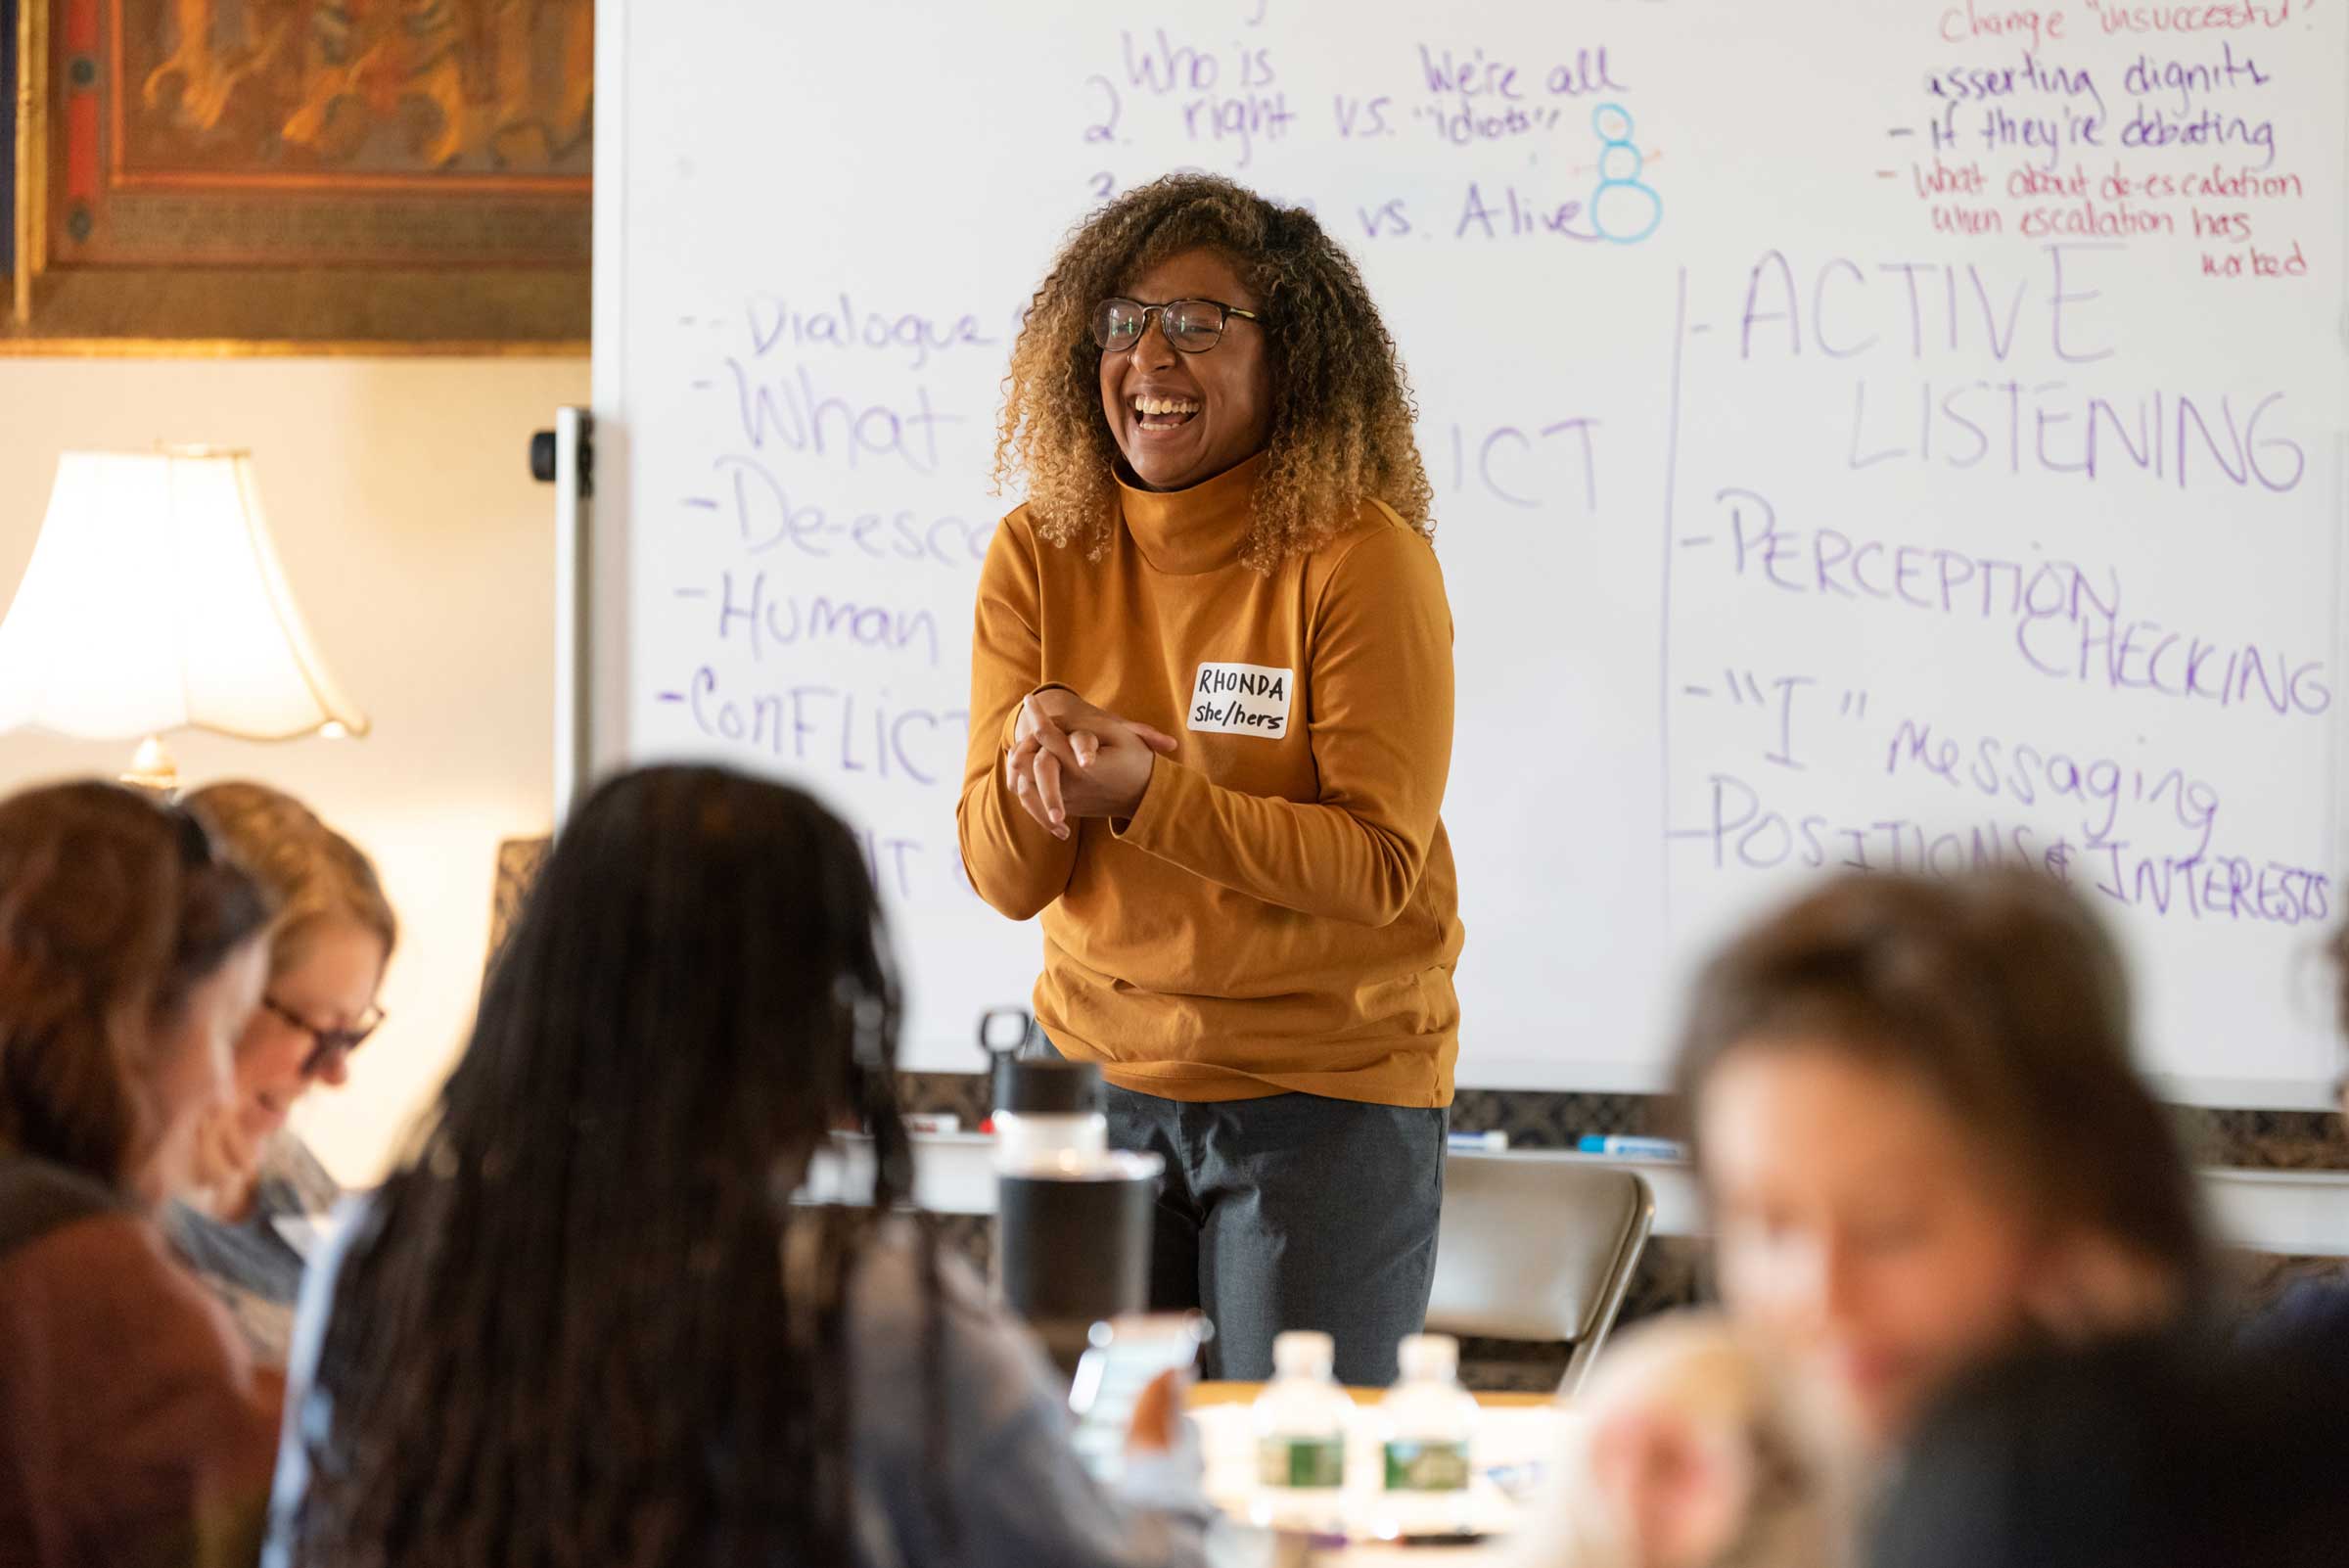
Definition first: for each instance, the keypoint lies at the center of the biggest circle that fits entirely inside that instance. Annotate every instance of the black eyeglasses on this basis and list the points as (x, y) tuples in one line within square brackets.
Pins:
[(325, 1042), (1193, 326)]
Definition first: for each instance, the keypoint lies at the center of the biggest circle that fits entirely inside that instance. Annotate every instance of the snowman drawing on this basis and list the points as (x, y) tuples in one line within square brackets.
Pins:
[(1625, 208)]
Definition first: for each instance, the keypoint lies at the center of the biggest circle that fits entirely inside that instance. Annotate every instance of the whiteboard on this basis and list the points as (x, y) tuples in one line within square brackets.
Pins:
[(1900, 435)]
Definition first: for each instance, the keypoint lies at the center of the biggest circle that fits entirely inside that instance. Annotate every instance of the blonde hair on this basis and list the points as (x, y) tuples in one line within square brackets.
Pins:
[(315, 874), (1342, 409)]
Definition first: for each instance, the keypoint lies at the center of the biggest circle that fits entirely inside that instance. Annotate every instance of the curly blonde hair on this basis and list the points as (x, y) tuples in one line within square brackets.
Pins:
[(1342, 408)]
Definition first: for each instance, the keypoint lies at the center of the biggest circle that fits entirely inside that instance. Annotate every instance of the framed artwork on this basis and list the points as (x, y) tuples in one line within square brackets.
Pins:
[(299, 176)]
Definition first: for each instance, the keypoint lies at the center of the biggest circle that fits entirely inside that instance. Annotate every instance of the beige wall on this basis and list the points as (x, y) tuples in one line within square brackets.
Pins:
[(421, 553)]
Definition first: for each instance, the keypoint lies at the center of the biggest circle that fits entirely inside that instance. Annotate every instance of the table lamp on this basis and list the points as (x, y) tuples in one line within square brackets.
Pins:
[(154, 602)]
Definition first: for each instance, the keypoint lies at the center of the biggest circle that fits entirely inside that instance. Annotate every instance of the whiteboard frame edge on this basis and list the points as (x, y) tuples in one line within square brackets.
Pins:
[(606, 661)]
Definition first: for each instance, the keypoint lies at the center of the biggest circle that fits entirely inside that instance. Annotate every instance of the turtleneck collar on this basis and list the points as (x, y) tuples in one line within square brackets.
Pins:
[(1186, 531)]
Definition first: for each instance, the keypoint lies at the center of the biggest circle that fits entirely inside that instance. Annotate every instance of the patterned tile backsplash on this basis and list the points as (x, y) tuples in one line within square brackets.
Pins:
[(2267, 1141)]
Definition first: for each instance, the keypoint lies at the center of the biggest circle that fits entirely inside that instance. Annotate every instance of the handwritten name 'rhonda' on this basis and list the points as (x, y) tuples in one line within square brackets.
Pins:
[(1214, 682)]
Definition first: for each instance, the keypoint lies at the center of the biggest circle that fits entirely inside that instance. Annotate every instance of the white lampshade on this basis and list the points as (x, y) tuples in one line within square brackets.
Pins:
[(155, 601)]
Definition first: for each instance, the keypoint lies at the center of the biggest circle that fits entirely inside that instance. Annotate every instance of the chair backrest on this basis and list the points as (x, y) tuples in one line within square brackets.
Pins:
[(1538, 1246)]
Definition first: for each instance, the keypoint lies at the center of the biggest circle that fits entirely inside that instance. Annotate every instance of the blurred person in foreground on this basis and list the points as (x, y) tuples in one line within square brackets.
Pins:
[(1923, 1145), (585, 1322), (133, 1426)]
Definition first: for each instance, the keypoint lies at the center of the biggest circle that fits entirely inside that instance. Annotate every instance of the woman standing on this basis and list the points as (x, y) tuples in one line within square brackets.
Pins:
[(259, 1187), (1211, 724)]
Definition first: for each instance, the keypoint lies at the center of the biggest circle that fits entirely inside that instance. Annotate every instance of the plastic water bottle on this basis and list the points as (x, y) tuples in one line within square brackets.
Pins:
[(1301, 1420), (1426, 1429)]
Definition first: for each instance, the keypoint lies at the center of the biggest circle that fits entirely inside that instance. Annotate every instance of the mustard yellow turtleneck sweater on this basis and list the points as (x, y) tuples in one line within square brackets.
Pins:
[(1280, 913)]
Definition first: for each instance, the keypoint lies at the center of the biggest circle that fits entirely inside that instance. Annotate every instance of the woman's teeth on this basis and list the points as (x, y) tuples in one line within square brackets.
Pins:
[(1164, 413)]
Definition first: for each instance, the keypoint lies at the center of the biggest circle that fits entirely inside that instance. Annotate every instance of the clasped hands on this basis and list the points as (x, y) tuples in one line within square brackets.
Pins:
[(1068, 759)]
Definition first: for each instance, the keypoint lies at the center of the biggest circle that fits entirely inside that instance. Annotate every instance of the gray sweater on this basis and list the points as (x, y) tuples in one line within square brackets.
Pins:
[(255, 1265), (1014, 1484)]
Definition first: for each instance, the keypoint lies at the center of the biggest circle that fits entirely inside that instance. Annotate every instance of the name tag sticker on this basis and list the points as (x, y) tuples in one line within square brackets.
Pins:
[(1242, 700)]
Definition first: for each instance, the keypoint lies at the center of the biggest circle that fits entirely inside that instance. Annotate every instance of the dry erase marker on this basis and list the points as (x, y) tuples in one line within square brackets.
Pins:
[(1628, 1148), (1477, 1142)]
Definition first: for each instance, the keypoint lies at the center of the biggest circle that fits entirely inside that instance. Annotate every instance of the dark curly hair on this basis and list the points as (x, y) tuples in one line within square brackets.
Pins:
[(1342, 408)]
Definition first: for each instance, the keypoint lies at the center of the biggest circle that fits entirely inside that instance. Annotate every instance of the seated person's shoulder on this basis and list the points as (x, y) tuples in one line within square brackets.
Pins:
[(110, 1277), (900, 1274), (914, 1303)]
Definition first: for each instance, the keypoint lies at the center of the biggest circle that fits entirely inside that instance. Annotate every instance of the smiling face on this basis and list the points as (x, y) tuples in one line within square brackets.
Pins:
[(1181, 418), (330, 985)]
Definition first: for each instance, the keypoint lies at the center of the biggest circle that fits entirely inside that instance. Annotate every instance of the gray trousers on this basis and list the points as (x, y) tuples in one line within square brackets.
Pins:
[(1293, 1212)]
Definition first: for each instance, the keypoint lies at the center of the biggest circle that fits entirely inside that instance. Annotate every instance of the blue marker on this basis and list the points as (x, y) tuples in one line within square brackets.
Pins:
[(1630, 1148), (1479, 1142)]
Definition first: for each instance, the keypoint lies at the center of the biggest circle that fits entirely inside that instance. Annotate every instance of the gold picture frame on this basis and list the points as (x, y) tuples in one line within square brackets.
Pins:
[(213, 177)]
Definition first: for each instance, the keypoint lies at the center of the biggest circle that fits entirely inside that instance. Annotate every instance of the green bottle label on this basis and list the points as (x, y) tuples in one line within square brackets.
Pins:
[(1415, 1466), (1311, 1463)]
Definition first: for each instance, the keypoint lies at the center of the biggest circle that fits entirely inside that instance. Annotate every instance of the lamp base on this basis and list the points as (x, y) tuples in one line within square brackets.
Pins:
[(153, 769)]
